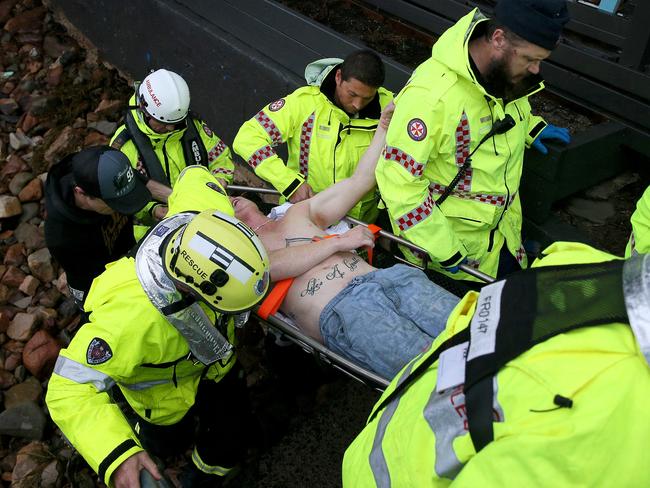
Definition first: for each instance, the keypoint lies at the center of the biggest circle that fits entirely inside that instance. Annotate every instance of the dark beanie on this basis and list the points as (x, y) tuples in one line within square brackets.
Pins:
[(537, 21)]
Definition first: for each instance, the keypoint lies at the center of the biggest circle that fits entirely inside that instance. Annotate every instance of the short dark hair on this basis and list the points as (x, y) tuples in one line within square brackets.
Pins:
[(494, 24), (365, 66)]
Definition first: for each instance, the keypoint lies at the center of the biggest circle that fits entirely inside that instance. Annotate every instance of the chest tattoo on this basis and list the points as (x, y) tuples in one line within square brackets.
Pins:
[(352, 264), (335, 273), (313, 286)]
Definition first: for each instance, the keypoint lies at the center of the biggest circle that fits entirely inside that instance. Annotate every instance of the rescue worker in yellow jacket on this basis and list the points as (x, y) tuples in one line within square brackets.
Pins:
[(326, 125), (159, 341), (552, 391), (161, 137), (639, 241), (454, 151)]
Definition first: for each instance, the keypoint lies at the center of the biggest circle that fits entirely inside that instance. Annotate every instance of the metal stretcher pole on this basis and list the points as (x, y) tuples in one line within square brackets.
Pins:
[(463, 267)]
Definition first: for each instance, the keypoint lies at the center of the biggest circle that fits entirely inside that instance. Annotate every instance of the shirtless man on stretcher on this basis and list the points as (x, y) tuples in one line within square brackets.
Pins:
[(378, 318)]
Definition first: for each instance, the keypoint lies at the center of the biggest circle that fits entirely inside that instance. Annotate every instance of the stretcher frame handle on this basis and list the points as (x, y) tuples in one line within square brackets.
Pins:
[(463, 267)]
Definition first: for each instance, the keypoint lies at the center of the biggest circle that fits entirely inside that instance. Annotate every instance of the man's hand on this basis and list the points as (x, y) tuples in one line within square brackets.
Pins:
[(355, 238), (127, 475), (303, 192), (551, 132), (386, 115), (159, 212)]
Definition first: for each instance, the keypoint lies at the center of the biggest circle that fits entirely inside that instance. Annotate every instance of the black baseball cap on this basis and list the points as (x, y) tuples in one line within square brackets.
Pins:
[(103, 172), (537, 21)]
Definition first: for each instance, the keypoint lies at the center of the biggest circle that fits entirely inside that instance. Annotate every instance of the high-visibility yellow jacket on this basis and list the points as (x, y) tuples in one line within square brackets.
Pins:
[(169, 150), (441, 115), (324, 144), (640, 238), (421, 439), (127, 343)]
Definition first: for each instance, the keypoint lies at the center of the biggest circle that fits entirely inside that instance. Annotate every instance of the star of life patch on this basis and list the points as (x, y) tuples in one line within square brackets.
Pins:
[(98, 352), (207, 130), (277, 105), (417, 129)]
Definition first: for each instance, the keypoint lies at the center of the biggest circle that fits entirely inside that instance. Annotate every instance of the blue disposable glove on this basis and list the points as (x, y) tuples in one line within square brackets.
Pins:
[(551, 132), (455, 269)]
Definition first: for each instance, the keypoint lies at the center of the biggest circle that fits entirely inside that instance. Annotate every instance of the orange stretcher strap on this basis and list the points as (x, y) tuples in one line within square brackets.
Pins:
[(375, 229)]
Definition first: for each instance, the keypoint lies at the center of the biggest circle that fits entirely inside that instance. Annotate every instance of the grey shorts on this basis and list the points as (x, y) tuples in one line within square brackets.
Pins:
[(385, 318)]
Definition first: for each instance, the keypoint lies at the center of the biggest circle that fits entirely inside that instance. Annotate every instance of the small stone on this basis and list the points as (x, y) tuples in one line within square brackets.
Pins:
[(4, 320), (40, 354), (104, 126), (12, 361), (28, 391), (61, 146), (18, 140), (50, 475), (13, 165), (19, 181), (22, 326), (31, 460), (8, 106), (30, 235), (21, 301), (29, 285), (28, 122), (33, 191), (8, 462), (29, 21), (20, 373), (50, 297), (79, 123), (39, 104), (15, 255), (30, 210), (9, 206), (5, 9), (54, 74), (6, 379), (95, 139), (13, 277), (40, 264), (33, 66), (109, 107)]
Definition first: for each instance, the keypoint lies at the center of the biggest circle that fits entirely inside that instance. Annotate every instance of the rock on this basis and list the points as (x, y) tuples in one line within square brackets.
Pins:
[(30, 210), (9, 206), (62, 284), (20, 301), (79, 123), (40, 264), (15, 255), (12, 361), (28, 122), (68, 308), (95, 139), (4, 321), (8, 462), (33, 191), (29, 21), (39, 104), (8, 106), (19, 181), (34, 66), (5, 9), (40, 353), (30, 235), (50, 297), (61, 146), (51, 474), (28, 391), (20, 373), (53, 47), (109, 107), (6, 379), (596, 212), (31, 460), (13, 165), (29, 285), (18, 140), (54, 74), (22, 326), (104, 126), (13, 277)]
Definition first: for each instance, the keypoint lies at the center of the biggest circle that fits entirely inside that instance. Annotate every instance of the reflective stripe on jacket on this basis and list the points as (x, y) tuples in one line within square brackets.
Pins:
[(169, 150), (421, 438), (127, 343), (324, 143), (441, 115)]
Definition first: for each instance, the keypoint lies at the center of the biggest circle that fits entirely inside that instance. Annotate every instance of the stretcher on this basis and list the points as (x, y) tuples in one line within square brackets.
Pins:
[(283, 325)]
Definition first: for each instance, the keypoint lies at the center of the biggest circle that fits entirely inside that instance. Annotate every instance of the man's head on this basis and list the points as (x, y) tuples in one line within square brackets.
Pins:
[(357, 80), (246, 210), (164, 99), (522, 34), (105, 182), (219, 260)]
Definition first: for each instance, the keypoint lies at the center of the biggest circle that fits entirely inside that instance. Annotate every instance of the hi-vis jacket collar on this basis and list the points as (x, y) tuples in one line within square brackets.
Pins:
[(206, 343)]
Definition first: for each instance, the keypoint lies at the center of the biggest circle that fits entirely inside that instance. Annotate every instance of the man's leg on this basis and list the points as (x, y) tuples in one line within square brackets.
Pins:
[(225, 425)]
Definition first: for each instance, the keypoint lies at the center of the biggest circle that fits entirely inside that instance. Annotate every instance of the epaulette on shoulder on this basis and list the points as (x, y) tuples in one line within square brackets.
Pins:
[(122, 138)]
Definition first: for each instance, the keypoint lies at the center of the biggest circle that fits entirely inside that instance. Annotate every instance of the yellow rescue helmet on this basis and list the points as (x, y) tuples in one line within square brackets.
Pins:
[(220, 259)]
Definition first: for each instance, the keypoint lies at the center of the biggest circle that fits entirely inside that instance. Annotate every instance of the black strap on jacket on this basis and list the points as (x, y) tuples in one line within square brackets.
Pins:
[(194, 151), (549, 301)]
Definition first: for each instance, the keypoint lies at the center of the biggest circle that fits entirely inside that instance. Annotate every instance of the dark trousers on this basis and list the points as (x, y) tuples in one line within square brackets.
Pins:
[(220, 424)]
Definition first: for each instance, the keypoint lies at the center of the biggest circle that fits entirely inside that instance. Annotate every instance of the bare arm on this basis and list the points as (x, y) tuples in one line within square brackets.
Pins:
[(159, 191), (331, 205), (290, 262)]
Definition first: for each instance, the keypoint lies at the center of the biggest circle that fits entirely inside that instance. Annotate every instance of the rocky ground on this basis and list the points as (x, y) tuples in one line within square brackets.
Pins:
[(56, 97)]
